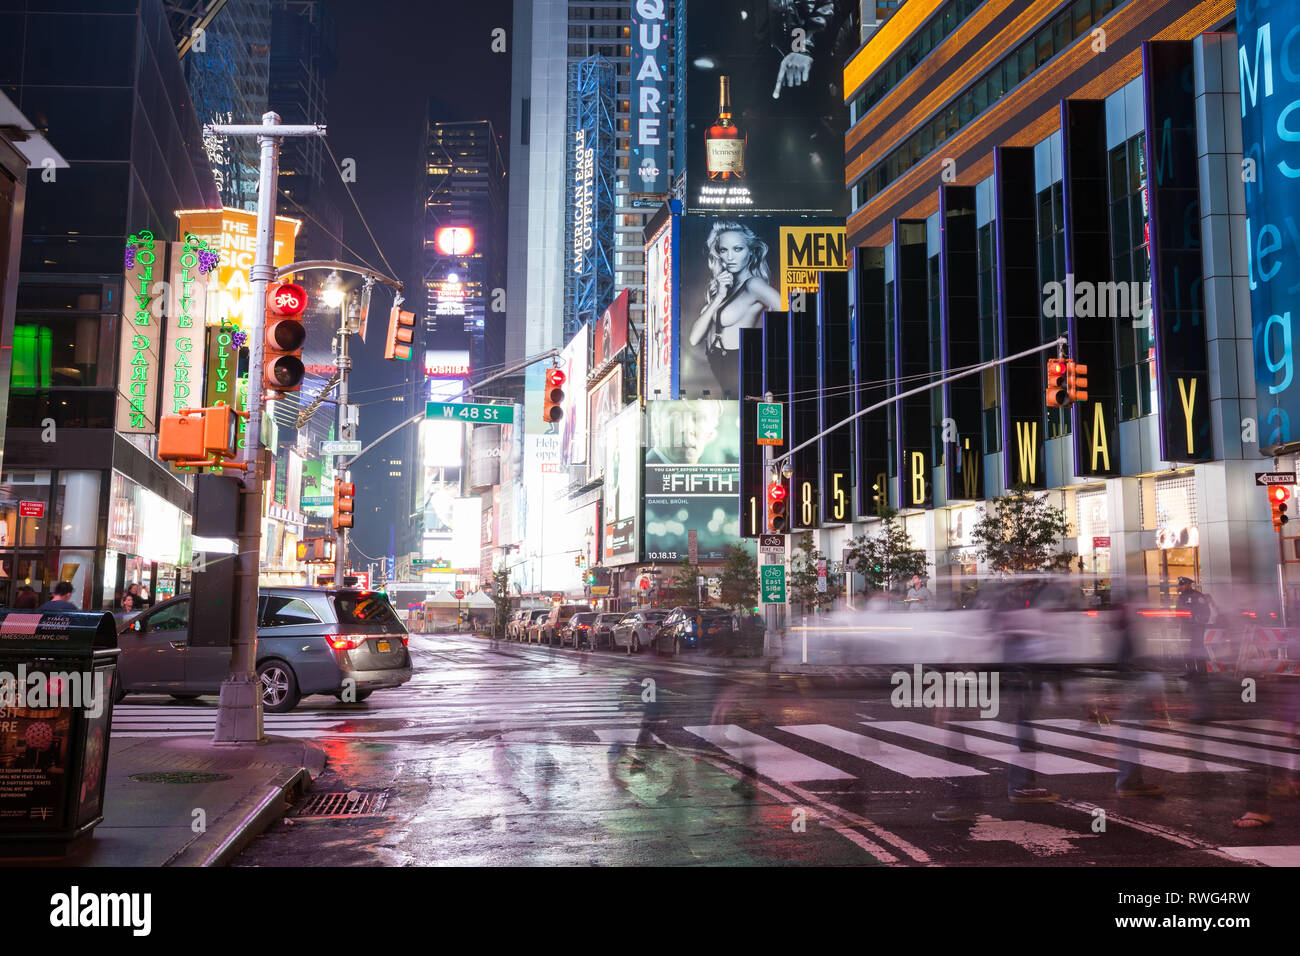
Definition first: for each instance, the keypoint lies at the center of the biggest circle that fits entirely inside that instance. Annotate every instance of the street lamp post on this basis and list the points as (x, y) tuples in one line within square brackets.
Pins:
[(239, 713)]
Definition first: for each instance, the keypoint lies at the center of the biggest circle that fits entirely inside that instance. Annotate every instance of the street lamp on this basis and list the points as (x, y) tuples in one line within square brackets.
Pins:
[(332, 291)]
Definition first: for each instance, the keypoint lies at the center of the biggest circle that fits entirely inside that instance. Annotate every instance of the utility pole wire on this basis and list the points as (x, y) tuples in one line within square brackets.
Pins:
[(1055, 343)]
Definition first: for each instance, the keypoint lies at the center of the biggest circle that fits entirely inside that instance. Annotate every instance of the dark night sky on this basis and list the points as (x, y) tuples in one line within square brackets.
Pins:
[(393, 56)]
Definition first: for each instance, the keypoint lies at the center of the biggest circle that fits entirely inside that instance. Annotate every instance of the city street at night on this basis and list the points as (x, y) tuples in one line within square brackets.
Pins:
[(529, 756)]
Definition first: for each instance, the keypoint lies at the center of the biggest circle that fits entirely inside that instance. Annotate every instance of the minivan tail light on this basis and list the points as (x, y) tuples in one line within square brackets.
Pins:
[(341, 642)]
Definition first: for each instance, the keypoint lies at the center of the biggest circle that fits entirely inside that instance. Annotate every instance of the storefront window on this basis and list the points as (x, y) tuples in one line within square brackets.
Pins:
[(24, 506)]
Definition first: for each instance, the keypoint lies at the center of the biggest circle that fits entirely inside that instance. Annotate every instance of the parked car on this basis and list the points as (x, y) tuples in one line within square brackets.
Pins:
[(553, 626), (533, 629), (709, 629), (602, 629), (578, 631), (309, 641), (638, 628), (526, 623), (516, 624)]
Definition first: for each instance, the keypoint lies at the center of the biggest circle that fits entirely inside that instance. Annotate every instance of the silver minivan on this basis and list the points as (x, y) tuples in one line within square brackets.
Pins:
[(309, 641)]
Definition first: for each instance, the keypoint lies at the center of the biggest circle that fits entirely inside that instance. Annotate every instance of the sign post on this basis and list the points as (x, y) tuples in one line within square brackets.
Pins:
[(772, 583), (771, 423), (475, 414)]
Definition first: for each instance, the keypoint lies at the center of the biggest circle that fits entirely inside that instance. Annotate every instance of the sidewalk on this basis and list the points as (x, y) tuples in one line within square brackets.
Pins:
[(153, 823)]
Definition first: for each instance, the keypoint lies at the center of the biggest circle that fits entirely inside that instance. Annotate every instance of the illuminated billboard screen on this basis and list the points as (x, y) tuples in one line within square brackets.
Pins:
[(442, 439), (660, 313), (603, 402), (692, 478), (765, 110), (733, 270), (650, 102), (573, 426), (622, 486)]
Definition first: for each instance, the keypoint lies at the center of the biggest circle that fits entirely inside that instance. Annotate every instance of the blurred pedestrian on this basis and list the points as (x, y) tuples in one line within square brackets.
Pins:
[(1136, 694), (26, 599), (61, 600), (1199, 611), (918, 596)]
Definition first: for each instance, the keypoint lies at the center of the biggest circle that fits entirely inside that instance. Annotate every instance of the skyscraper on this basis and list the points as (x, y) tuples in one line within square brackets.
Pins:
[(462, 238)]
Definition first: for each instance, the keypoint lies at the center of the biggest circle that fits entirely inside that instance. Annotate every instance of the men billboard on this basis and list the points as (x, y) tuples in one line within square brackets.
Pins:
[(765, 107), (611, 332), (692, 478), (733, 270), (573, 426)]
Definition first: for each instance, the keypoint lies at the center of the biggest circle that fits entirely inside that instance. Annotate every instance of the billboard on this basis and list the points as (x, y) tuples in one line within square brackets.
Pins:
[(237, 229), (1270, 88), (733, 270), (573, 426), (622, 486), (765, 110), (649, 101), (611, 332), (692, 478), (603, 402), (183, 358), (661, 313), (137, 371), (442, 439)]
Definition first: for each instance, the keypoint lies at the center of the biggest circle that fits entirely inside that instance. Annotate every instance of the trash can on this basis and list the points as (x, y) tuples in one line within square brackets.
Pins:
[(58, 677)]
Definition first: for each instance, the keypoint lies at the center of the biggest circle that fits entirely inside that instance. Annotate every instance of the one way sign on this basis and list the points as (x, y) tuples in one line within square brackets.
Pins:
[(1266, 478)]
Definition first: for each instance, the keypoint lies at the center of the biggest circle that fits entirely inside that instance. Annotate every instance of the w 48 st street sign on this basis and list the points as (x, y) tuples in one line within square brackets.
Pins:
[(465, 412)]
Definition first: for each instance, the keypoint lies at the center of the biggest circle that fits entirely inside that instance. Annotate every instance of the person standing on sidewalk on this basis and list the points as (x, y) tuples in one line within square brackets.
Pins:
[(1199, 612)]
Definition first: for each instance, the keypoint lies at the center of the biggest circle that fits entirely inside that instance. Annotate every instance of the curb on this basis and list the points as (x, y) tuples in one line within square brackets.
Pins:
[(256, 813)]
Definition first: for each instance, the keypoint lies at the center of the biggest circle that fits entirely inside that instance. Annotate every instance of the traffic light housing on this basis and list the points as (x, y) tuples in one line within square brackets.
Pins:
[(282, 368), (1057, 377), (1076, 384), (199, 436), (344, 492), (401, 333), (553, 397), (1277, 499), (778, 495)]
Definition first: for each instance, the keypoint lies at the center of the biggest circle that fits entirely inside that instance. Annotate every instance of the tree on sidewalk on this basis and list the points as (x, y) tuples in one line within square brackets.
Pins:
[(803, 576), (887, 558), (681, 590), (1020, 532), (501, 598), (739, 579)]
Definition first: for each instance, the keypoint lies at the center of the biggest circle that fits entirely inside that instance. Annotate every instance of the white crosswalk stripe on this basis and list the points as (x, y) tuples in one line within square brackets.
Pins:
[(474, 703), (909, 763), (983, 739), (1155, 759), (768, 758), (1272, 758), (1003, 751)]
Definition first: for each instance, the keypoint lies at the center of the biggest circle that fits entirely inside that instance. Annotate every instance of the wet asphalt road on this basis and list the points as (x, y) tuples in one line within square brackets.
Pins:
[(526, 755)]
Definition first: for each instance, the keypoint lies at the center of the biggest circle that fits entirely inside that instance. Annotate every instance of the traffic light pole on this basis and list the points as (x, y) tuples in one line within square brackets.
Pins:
[(239, 713), (346, 432)]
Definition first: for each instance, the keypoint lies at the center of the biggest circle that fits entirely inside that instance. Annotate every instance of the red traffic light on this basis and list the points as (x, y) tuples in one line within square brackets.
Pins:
[(776, 491), (286, 299), (553, 397), (1278, 493)]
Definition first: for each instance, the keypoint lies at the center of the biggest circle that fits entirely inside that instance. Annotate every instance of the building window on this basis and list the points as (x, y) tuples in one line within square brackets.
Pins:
[(1131, 262), (990, 382)]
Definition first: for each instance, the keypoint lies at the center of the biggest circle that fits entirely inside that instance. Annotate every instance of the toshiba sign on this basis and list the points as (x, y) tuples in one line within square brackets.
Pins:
[(446, 364)]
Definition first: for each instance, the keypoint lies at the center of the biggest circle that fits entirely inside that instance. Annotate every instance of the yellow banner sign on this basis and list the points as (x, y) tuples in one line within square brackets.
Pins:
[(806, 251)]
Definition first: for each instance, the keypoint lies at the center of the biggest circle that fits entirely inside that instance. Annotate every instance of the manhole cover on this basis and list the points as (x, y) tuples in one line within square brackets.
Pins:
[(179, 776), (352, 803)]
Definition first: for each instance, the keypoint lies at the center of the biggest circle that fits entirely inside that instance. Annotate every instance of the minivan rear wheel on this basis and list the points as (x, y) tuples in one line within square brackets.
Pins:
[(279, 687)]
